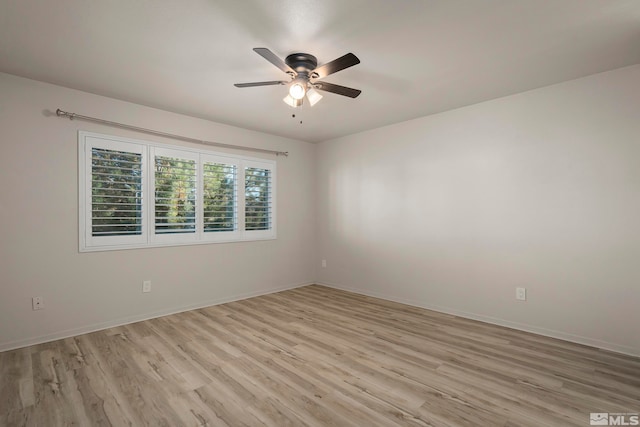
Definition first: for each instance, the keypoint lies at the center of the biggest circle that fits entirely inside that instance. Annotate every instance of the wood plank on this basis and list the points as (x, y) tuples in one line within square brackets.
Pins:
[(313, 356)]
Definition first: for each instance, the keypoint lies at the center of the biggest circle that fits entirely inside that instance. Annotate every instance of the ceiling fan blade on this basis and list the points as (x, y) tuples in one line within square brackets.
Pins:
[(273, 58), (340, 90), (276, 82), (346, 61)]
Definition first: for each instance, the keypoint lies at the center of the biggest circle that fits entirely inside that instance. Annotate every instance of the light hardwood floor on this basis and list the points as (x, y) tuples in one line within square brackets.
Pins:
[(313, 356)]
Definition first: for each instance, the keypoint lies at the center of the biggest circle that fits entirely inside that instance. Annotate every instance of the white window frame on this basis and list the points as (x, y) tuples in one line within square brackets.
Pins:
[(148, 238)]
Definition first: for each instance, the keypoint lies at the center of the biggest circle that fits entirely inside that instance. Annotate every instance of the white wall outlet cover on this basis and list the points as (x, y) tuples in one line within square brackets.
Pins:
[(146, 286), (37, 303)]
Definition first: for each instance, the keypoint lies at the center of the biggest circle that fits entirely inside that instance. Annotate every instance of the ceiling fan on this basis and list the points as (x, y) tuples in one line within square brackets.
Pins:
[(304, 73)]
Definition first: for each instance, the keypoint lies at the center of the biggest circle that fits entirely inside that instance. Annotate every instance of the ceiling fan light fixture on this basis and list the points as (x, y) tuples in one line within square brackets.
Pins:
[(291, 101), (301, 68), (313, 96), (298, 89)]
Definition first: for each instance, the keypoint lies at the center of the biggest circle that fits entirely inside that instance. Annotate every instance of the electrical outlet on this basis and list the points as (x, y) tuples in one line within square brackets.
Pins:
[(37, 303), (521, 294), (146, 286), (324, 263)]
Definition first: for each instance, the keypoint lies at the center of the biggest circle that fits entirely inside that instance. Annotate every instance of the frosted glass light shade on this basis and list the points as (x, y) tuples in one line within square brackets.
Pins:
[(313, 96), (290, 101), (297, 90)]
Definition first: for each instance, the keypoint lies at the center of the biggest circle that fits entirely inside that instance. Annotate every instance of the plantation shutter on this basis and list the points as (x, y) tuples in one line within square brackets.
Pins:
[(219, 197), (116, 193), (175, 186), (113, 193), (259, 196)]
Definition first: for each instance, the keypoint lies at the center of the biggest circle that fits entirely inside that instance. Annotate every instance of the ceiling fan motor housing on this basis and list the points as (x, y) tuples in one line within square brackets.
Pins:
[(302, 62)]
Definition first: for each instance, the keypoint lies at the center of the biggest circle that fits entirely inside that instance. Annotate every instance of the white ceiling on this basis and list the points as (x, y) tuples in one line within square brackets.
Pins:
[(418, 57)]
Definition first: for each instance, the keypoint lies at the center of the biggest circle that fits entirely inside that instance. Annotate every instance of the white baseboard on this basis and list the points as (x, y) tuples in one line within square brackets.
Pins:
[(12, 345), (628, 350)]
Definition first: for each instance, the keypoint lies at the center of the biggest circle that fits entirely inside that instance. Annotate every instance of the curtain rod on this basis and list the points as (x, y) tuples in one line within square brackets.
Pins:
[(72, 116)]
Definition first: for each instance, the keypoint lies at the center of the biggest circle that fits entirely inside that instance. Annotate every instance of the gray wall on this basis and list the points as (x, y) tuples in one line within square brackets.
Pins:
[(39, 223), (454, 211), (451, 212)]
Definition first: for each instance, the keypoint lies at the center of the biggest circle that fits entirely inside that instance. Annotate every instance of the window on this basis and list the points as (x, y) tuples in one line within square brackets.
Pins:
[(136, 194), (219, 197), (174, 195), (257, 198)]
